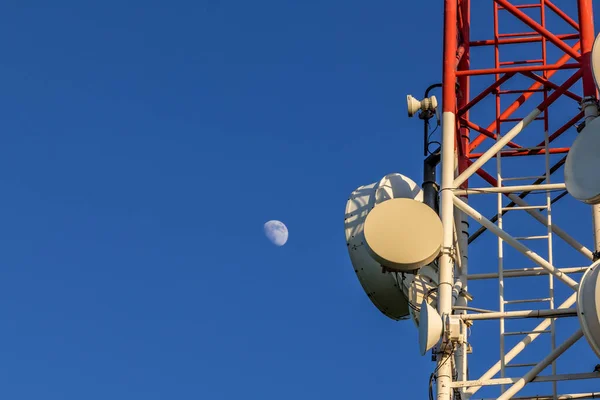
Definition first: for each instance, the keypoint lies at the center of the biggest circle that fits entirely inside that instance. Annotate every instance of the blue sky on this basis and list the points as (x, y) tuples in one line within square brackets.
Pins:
[(144, 145)]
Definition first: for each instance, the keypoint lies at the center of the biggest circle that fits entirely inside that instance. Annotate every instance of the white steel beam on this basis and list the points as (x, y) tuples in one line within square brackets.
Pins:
[(537, 379), (536, 214), (555, 229), (514, 243), (446, 262), (553, 355), (509, 189), (572, 396), (518, 348), (516, 273), (568, 312), (491, 152)]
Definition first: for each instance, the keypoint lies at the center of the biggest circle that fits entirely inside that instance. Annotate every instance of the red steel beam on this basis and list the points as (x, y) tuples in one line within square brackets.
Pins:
[(543, 106), (519, 101), (491, 42), (518, 34), (563, 128), (483, 94), (491, 135), (464, 15), (539, 28), (524, 6), (532, 152), (586, 32), (551, 85), (492, 71), (562, 14)]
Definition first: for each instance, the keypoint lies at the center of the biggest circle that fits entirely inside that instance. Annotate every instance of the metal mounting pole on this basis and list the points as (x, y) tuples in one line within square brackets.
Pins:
[(446, 263)]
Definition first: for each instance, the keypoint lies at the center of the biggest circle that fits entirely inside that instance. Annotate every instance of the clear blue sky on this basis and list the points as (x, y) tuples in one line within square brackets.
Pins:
[(143, 146)]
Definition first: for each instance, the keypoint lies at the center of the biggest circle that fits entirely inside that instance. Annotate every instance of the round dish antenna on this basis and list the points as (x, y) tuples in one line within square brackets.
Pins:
[(430, 328), (595, 60), (384, 290), (582, 164), (588, 307), (403, 235)]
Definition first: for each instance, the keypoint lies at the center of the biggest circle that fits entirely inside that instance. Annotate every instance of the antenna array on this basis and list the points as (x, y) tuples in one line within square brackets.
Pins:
[(500, 187)]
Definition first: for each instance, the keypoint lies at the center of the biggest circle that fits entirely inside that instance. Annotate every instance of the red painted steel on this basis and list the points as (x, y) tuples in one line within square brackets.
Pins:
[(517, 153), (458, 52), (464, 15), (519, 101), (586, 23)]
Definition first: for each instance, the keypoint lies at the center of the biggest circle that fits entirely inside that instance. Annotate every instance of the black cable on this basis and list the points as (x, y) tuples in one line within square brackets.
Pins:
[(401, 285), (431, 386), (430, 292), (429, 152), (430, 142), (432, 376)]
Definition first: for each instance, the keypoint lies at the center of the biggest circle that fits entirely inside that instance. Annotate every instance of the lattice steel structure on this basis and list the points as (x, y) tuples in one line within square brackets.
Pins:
[(511, 157)]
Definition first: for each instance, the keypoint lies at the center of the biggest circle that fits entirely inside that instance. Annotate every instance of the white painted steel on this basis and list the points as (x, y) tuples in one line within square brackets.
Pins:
[(491, 152), (508, 189), (553, 355), (446, 263), (519, 347), (518, 246), (554, 228), (569, 312), (478, 383), (517, 273)]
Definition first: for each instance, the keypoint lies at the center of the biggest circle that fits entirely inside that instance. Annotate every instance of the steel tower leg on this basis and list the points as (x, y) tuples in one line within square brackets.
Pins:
[(446, 262)]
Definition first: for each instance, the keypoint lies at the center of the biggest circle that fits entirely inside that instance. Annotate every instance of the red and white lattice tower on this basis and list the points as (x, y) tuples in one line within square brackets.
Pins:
[(518, 97), (511, 103)]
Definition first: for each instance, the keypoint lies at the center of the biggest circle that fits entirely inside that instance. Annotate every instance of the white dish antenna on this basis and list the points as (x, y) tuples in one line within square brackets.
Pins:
[(595, 60), (383, 289), (588, 307), (430, 328), (403, 234), (583, 163)]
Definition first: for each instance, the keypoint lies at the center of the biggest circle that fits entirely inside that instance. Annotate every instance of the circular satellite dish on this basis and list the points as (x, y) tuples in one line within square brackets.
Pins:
[(430, 328), (595, 60), (583, 162), (385, 292), (588, 307), (381, 288), (403, 234)]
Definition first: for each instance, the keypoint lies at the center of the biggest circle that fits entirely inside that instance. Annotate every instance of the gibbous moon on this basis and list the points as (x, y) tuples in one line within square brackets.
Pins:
[(276, 232)]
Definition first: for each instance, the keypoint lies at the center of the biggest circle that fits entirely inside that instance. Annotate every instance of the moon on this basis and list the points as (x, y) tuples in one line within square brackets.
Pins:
[(276, 232)]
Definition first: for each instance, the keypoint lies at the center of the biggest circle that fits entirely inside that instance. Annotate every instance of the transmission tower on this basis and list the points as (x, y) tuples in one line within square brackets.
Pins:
[(518, 124)]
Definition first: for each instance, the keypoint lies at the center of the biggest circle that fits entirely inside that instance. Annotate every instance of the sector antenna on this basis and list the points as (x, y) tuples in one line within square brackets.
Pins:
[(496, 259)]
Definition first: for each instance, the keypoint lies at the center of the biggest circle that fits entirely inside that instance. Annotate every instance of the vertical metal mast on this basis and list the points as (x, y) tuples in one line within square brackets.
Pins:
[(525, 91), (446, 262)]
